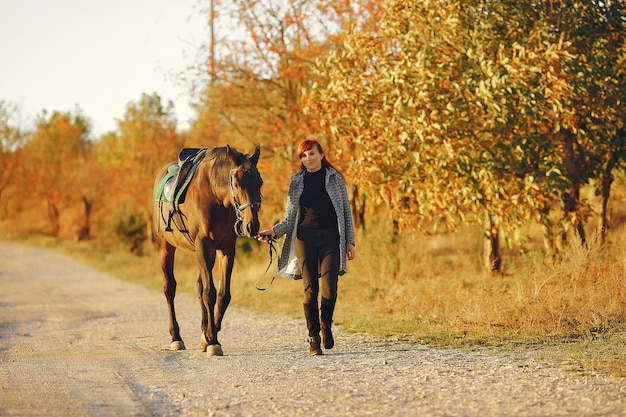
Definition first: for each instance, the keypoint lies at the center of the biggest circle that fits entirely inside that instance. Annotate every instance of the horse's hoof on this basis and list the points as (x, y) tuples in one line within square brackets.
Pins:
[(214, 350), (177, 345), (203, 343)]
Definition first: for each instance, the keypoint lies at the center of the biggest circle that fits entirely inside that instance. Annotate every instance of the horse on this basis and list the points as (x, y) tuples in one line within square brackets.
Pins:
[(221, 202)]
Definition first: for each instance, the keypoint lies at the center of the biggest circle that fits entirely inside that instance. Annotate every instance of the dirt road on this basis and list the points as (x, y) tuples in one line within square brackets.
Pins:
[(76, 342)]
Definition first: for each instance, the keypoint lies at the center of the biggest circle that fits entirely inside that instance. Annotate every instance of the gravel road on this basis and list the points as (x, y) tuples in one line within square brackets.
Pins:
[(76, 342)]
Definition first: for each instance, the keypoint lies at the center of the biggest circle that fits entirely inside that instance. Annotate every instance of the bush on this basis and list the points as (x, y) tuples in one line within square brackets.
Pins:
[(128, 229)]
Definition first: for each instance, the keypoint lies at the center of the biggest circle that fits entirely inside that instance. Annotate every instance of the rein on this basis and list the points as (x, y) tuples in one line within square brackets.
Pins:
[(272, 255)]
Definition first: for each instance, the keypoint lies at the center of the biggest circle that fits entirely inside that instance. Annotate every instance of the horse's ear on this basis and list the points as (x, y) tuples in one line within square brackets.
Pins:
[(255, 156), (232, 155)]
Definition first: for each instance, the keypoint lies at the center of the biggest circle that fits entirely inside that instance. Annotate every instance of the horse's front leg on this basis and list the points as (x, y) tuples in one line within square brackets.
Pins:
[(169, 289), (203, 311), (205, 252), (226, 261)]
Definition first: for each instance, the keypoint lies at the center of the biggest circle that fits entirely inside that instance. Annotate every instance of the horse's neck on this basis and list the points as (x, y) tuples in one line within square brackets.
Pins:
[(219, 188)]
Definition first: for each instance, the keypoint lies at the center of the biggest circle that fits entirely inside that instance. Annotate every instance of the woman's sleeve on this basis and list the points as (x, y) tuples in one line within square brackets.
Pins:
[(347, 215), (281, 227)]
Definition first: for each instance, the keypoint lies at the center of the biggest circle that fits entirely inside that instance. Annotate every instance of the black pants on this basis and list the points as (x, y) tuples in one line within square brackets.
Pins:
[(317, 251)]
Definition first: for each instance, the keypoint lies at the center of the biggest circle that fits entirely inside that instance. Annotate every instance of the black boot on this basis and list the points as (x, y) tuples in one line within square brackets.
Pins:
[(314, 346), (326, 315), (313, 326)]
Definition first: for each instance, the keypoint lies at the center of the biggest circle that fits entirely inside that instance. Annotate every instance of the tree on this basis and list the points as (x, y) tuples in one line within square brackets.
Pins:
[(255, 95), (145, 141), (599, 34), (582, 91), (11, 138), (51, 161), (452, 109)]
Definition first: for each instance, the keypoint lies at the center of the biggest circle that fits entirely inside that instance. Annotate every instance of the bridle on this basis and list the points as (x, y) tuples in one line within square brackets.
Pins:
[(239, 207)]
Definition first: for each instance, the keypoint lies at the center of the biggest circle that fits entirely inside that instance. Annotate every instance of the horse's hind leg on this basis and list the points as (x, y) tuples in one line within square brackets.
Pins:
[(169, 288)]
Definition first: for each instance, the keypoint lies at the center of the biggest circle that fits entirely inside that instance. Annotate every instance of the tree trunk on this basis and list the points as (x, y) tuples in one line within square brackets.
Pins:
[(53, 218), (547, 232), (607, 181), (358, 208), (85, 231), (493, 260), (571, 194)]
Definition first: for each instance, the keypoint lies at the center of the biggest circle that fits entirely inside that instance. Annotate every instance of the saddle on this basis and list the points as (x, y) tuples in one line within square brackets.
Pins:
[(173, 187)]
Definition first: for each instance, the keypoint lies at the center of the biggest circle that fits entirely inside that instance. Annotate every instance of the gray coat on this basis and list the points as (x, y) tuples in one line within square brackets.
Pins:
[(288, 266)]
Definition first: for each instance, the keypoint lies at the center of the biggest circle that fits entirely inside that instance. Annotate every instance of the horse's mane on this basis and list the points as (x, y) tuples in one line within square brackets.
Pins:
[(220, 173)]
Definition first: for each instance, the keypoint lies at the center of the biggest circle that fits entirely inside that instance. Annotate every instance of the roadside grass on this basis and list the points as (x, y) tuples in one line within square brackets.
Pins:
[(433, 290)]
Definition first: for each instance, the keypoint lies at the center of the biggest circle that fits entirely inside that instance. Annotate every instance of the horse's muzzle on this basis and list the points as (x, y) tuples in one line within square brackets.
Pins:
[(249, 230), (252, 229)]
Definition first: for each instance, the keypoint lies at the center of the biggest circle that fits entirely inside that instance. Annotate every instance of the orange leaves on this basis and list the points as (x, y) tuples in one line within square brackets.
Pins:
[(441, 107), (274, 49)]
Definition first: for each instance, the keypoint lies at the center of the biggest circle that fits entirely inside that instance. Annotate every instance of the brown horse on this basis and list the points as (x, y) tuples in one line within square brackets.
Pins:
[(221, 202)]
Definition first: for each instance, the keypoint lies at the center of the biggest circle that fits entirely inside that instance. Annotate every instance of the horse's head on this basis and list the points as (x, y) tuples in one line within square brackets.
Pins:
[(244, 188)]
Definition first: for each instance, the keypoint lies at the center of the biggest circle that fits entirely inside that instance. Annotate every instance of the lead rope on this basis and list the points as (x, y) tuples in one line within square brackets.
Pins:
[(272, 255)]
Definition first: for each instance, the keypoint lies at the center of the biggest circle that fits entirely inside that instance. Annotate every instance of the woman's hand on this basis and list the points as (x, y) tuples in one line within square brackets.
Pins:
[(265, 235), (350, 251)]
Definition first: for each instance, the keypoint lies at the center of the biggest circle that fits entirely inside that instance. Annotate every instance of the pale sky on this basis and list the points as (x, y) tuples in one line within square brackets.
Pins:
[(97, 55)]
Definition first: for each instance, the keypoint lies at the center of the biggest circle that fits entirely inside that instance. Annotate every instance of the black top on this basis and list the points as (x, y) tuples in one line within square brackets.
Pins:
[(316, 208)]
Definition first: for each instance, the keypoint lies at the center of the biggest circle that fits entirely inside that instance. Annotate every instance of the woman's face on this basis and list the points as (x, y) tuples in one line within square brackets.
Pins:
[(312, 159)]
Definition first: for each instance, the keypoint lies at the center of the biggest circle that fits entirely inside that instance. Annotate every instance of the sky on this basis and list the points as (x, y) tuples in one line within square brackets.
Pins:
[(97, 55)]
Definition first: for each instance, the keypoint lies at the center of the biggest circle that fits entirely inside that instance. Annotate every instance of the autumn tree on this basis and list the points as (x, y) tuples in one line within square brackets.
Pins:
[(414, 105), (146, 139), (260, 74), (92, 192), (572, 93), (11, 138), (464, 111), (598, 33), (51, 162)]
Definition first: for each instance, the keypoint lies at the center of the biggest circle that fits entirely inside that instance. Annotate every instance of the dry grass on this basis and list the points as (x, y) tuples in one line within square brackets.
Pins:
[(433, 289)]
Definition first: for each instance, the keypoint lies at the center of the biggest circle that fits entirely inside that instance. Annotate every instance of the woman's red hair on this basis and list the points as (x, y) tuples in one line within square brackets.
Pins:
[(308, 144)]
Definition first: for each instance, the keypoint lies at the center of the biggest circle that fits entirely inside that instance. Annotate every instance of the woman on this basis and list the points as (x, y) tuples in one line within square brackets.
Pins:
[(320, 237)]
